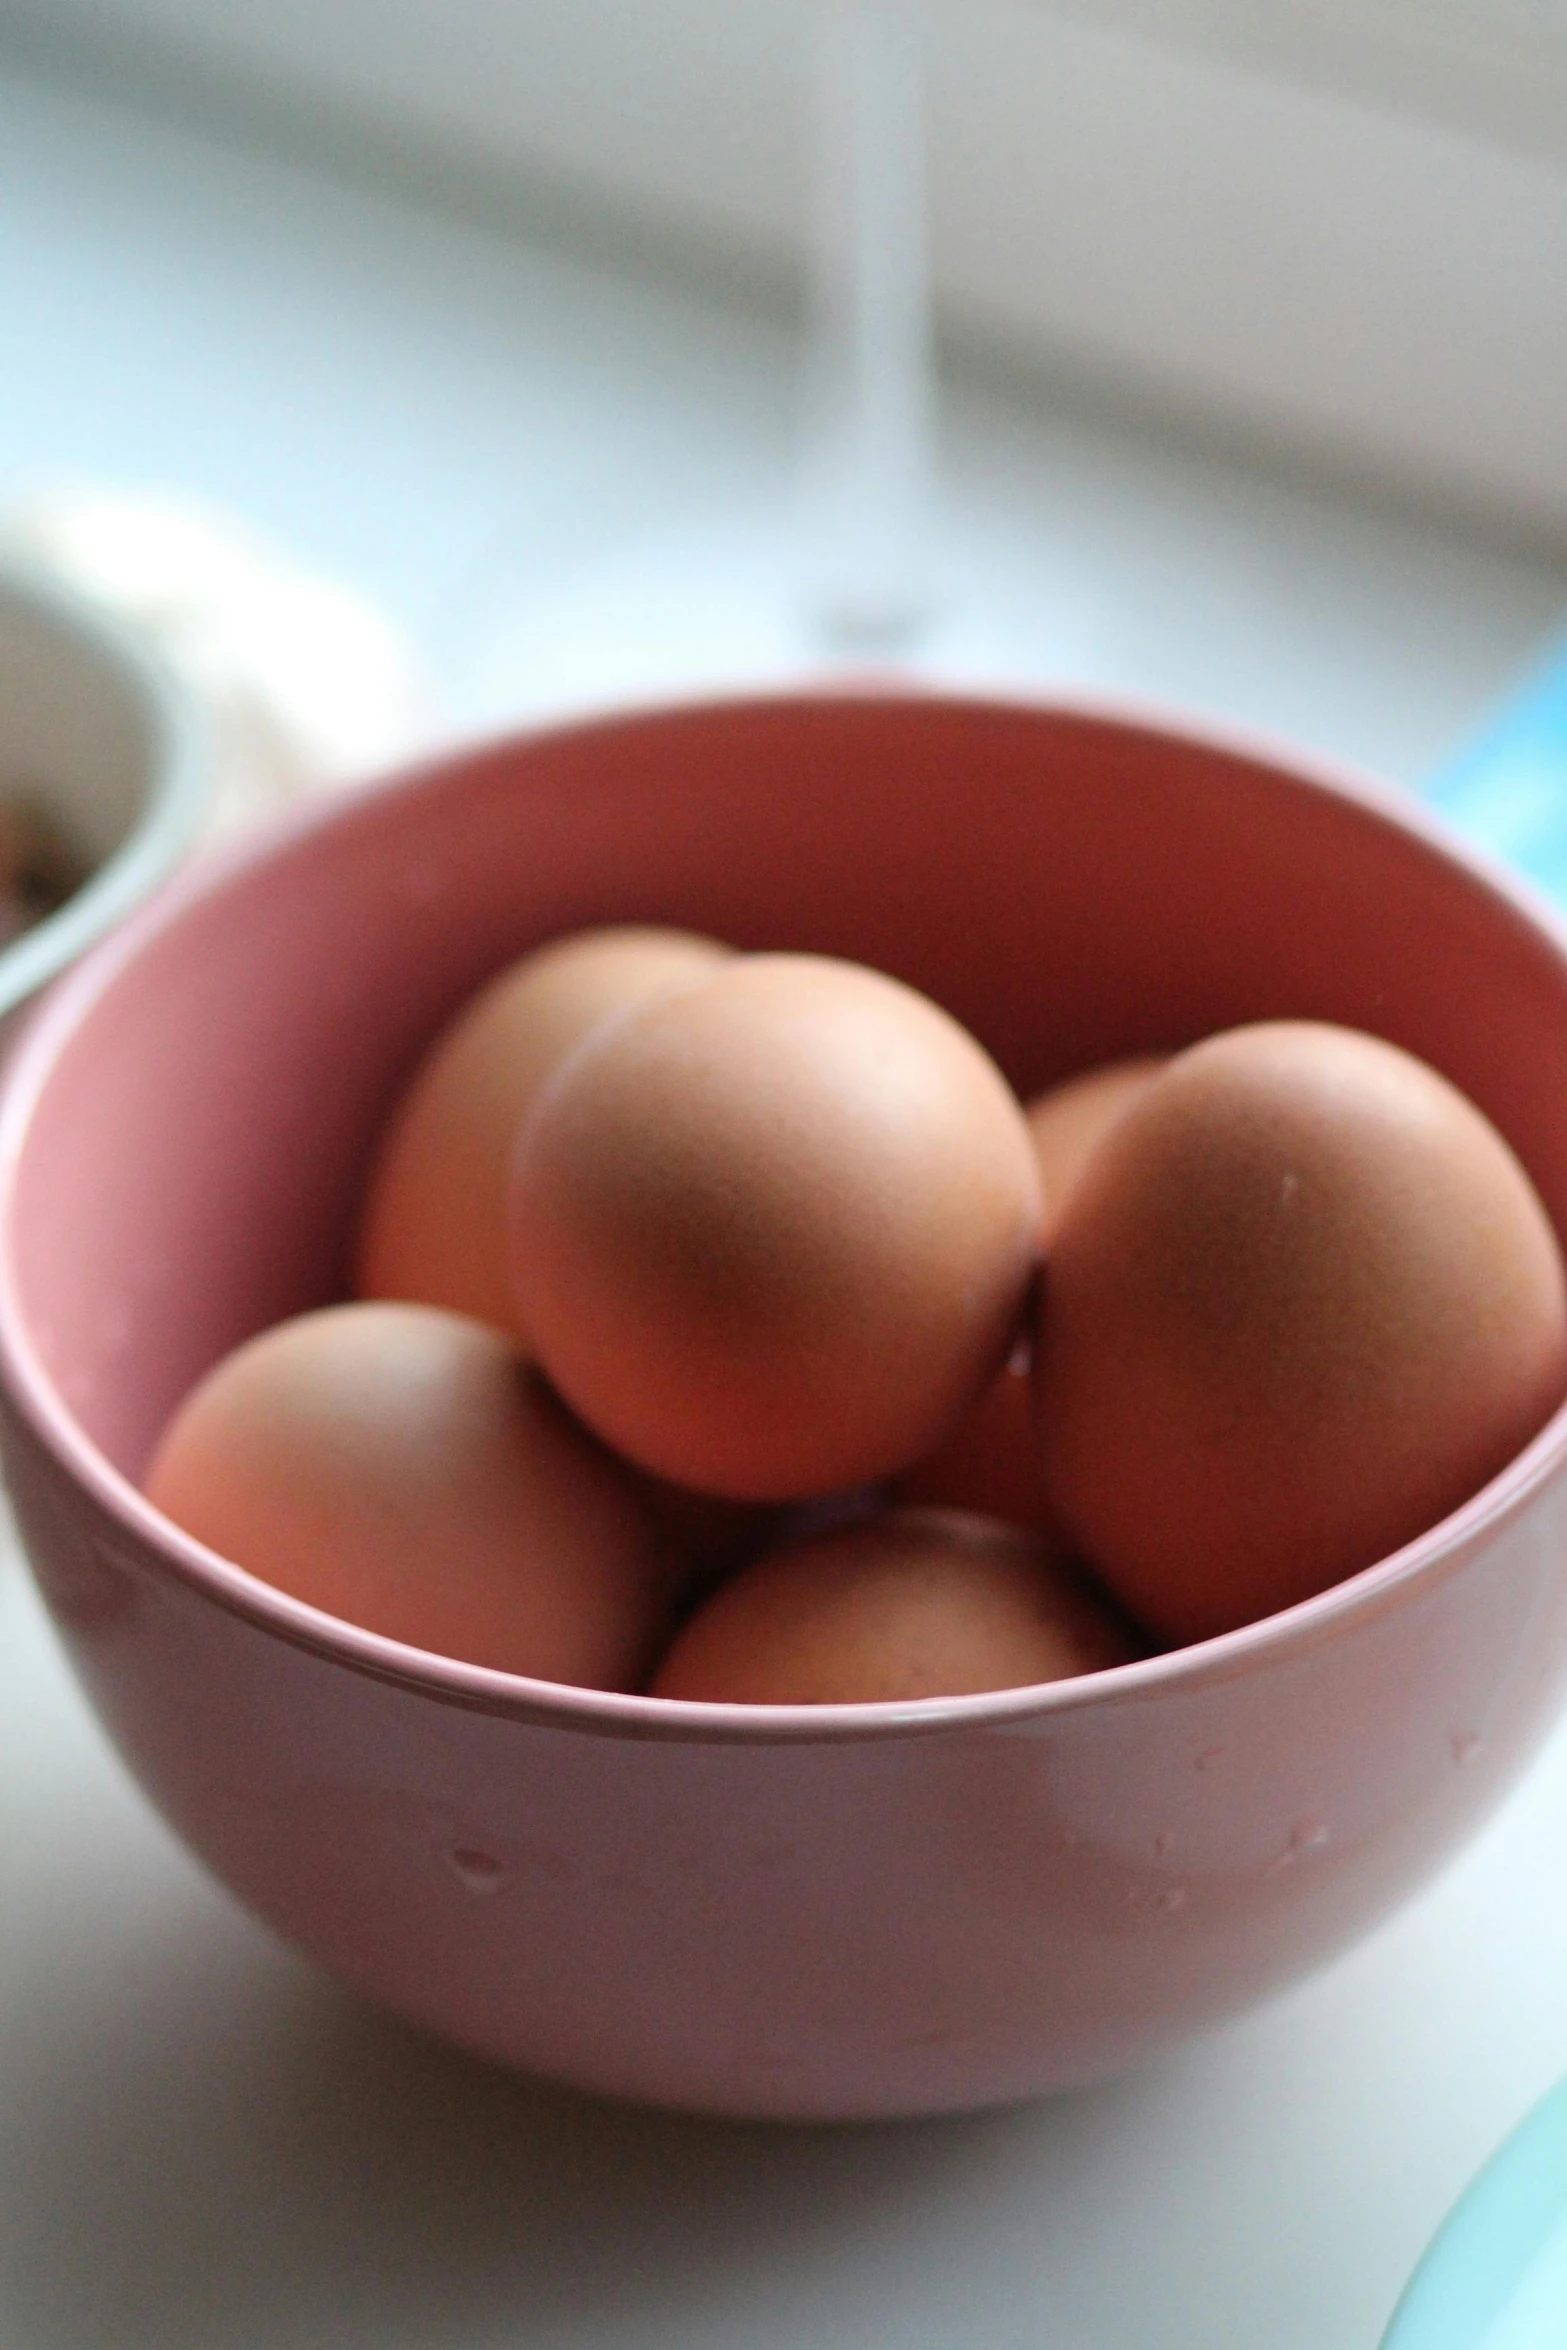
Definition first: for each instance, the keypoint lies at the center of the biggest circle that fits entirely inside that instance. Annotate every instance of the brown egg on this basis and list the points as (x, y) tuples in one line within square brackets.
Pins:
[(397, 1467), (770, 1234), (1068, 1123), (1303, 1302), (434, 1222), (992, 1461), (914, 1603)]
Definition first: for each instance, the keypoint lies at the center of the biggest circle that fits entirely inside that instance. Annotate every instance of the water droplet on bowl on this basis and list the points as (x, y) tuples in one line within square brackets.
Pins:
[(1307, 1835), (1167, 1900), (481, 1872), (1468, 1746)]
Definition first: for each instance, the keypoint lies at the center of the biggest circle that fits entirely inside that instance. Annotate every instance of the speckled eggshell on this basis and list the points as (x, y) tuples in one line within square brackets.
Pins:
[(1303, 1303)]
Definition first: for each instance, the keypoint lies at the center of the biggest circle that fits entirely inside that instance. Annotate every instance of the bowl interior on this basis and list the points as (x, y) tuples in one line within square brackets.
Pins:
[(185, 1144)]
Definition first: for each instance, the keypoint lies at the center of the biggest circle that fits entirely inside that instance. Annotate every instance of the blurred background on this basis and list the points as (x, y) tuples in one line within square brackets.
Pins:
[(1238, 379), (1249, 318)]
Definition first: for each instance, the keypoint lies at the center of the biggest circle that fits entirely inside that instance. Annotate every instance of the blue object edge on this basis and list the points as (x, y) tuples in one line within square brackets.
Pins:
[(1507, 789), (1486, 2247)]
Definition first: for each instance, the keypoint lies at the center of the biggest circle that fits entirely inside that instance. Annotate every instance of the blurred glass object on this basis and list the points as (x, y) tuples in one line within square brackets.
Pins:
[(870, 461), (853, 571)]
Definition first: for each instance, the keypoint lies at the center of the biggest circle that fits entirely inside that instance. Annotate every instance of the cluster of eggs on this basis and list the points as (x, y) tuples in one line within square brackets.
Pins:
[(728, 1329)]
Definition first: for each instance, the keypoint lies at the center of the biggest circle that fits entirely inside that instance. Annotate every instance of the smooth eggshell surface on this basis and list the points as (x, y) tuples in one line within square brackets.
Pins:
[(910, 1604), (1067, 1124), (992, 1460), (434, 1222), (397, 1467), (1303, 1303), (772, 1233)]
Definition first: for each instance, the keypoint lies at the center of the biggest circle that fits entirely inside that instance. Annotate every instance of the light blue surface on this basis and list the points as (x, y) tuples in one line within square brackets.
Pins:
[(1496, 2276), (1507, 791)]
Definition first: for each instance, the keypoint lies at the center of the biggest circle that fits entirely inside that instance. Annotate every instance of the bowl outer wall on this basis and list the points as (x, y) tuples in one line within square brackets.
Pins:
[(940, 1906)]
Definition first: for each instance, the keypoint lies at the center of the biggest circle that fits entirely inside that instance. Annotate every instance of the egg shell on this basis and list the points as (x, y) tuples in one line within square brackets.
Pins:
[(770, 1235), (1303, 1303), (399, 1468), (992, 1460), (908, 1604), (434, 1221), (1067, 1124)]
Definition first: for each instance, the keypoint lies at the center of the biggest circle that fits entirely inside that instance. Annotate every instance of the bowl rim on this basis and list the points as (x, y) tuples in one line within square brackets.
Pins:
[(158, 1546), (179, 786)]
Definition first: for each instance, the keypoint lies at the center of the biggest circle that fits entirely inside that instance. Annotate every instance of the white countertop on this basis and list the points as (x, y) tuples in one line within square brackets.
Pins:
[(204, 2145)]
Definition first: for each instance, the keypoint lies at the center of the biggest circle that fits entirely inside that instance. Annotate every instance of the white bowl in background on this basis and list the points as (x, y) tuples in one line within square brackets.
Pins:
[(99, 736)]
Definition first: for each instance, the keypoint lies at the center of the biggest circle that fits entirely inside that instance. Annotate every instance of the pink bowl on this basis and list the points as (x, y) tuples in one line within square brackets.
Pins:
[(842, 1911)]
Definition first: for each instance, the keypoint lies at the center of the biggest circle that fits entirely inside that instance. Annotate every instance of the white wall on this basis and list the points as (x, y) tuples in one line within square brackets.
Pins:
[(1338, 223)]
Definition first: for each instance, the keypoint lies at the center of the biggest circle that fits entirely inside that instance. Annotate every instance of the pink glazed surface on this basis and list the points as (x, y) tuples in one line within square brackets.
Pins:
[(844, 1911)]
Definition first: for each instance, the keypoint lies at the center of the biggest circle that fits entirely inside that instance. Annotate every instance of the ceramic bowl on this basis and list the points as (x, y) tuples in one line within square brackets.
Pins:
[(846, 1911), (99, 739)]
